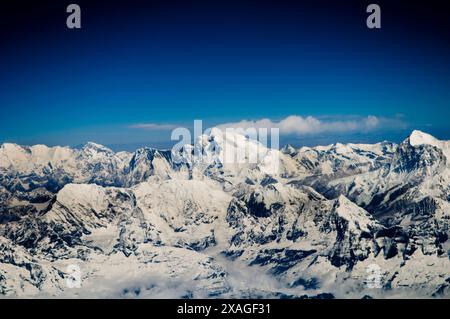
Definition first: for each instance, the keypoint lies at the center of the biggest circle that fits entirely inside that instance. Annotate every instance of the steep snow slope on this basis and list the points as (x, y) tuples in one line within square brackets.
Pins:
[(418, 138)]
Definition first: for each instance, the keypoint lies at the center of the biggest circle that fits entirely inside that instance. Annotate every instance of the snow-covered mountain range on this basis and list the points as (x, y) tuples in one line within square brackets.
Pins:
[(337, 221)]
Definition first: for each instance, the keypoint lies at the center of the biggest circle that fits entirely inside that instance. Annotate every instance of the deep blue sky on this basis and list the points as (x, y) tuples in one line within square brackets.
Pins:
[(173, 62)]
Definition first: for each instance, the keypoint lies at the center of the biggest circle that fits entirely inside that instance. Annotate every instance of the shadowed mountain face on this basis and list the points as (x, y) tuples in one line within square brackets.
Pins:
[(140, 225)]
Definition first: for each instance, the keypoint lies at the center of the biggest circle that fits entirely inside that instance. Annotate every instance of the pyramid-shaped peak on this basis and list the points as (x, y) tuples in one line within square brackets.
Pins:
[(420, 138), (97, 147)]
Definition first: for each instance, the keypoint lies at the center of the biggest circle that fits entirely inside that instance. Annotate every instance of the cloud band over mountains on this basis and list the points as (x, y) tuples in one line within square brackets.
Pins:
[(301, 125)]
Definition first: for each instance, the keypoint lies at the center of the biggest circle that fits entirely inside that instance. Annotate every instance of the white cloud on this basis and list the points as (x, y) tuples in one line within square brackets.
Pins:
[(301, 125), (295, 124), (153, 126)]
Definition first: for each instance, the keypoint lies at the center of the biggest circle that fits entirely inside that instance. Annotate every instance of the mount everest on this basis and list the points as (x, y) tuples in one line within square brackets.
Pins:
[(141, 225)]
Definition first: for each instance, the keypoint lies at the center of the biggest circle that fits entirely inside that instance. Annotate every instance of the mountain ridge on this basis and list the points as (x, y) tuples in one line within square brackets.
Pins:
[(202, 227)]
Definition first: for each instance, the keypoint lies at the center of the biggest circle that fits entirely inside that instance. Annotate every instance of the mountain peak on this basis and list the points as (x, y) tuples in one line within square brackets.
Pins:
[(419, 138), (288, 149), (10, 147), (357, 217), (97, 147)]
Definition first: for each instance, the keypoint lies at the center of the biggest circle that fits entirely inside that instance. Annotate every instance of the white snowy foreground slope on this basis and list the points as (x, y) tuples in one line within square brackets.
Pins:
[(337, 221)]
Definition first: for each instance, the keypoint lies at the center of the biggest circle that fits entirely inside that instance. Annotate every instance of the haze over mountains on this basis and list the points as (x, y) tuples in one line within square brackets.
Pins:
[(142, 225)]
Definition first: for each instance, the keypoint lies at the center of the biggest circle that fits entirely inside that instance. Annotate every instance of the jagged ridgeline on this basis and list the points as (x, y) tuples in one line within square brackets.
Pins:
[(140, 225)]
